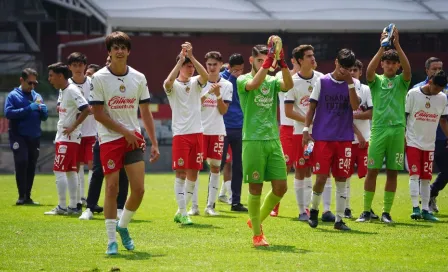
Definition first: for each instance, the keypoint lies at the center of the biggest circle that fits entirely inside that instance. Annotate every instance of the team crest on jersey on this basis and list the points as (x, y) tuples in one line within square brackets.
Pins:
[(317, 166), (15, 146), (256, 175), (111, 164), (390, 84), (427, 105), (310, 88), (264, 89), (180, 162), (302, 161), (414, 168), (348, 152), (371, 161), (122, 88), (286, 158), (187, 89), (62, 149)]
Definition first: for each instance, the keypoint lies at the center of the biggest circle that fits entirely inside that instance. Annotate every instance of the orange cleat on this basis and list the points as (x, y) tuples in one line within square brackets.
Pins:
[(260, 241), (274, 212)]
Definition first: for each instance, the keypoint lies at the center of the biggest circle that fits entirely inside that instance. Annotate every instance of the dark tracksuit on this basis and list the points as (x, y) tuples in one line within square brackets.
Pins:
[(24, 136), (233, 121)]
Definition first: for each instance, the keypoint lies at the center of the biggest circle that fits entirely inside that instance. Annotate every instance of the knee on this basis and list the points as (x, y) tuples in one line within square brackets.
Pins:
[(139, 192), (214, 169), (280, 191), (181, 175), (112, 190)]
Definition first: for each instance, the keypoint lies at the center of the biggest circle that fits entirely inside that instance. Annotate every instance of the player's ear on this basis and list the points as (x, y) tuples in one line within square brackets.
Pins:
[(251, 59)]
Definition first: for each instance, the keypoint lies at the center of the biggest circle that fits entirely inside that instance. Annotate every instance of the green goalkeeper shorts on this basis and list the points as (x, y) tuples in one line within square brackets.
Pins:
[(387, 143), (263, 161)]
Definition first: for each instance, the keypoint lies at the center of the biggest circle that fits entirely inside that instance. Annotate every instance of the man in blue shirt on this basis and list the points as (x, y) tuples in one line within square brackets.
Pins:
[(24, 108), (233, 121), (433, 65)]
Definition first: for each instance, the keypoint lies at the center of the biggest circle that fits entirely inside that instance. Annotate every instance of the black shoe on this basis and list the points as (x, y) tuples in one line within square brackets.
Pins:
[(20, 201), (386, 218), (97, 209), (328, 216), (238, 208), (29, 201), (79, 207), (341, 226), (314, 218), (373, 215), (348, 213), (364, 217)]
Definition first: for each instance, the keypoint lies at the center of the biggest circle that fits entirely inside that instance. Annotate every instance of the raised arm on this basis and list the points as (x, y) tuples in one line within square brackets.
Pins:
[(403, 59), (203, 75), (169, 81), (371, 68), (259, 77)]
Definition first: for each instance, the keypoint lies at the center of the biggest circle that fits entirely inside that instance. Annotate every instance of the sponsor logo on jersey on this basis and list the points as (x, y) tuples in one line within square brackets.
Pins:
[(111, 164), (264, 102), (426, 116), (256, 175), (62, 149), (180, 162), (210, 103), (305, 101), (121, 102)]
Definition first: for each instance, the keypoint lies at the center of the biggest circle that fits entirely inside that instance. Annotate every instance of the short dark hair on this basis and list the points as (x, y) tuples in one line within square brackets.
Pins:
[(346, 58), (299, 52), (439, 79), (95, 67), (60, 68), (390, 55), (213, 55), (76, 57), (187, 60), (431, 60), (358, 64), (28, 72), (236, 59), (259, 49), (118, 38)]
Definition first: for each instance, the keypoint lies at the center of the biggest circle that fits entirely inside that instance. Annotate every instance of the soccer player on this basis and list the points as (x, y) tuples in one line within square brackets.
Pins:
[(77, 64), (117, 94), (433, 65), (361, 117), (263, 159), (92, 69), (233, 121), (215, 98), (331, 104), (388, 124), (68, 137), (426, 107), (184, 94), (296, 106)]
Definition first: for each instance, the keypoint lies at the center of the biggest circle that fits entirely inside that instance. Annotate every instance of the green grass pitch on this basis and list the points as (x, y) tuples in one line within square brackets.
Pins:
[(31, 241)]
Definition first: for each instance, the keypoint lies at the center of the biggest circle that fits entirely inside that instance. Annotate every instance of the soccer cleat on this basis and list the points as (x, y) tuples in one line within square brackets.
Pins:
[(71, 211), (341, 226), (304, 217), (223, 199), (364, 217), (29, 201), (373, 215), (386, 218), (20, 201), (194, 211), (274, 212), (307, 212), (119, 213), (259, 241), (429, 216), (313, 221), (386, 42), (112, 249), (328, 216), (238, 208), (83, 201), (348, 213), (211, 212), (97, 209), (86, 215), (416, 214), (126, 240), (433, 205), (57, 211), (182, 219)]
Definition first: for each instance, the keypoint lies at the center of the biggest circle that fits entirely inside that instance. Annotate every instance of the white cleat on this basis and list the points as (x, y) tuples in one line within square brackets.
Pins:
[(86, 215), (223, 198), (193, 211), (57, 211), (211, 212), (119, 213)]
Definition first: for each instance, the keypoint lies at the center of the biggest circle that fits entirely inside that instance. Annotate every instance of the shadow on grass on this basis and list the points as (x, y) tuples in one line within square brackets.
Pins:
[(200, 226), (134, 255), (400, 224), (284, 248), (137, 221), (350, 232), (32, 205), (222, 216)]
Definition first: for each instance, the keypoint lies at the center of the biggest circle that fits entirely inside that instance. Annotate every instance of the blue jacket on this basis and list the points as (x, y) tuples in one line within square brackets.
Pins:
[(440, 135), (22, 120), (234, 116)]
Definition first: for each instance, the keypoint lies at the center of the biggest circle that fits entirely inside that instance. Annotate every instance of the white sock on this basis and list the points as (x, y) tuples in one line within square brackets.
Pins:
[(228, 185), (212, 189), (126, 217), (414, 190), (347, 186), (89, 177), (72, 185), (341, 193), (80, 190), (179, 190), (425, 193), (315, 200), (307, 191), (111, 225), (189, 190), (61, 185), (298, 188), (327, 195), (194, 199), (223, 190)]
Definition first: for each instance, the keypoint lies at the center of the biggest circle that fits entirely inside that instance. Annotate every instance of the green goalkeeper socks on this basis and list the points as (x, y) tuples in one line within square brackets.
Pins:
[(253, 205), (269, 203), (388, 201), (368, 199)]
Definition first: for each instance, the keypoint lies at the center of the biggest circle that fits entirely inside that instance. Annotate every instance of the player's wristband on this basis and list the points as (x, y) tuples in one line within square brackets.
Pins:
[(219, 97), (350, 86), (305, 129)]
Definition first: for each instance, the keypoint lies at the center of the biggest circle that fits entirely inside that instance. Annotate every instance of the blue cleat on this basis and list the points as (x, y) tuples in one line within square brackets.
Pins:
[(126, 240), (386, 42), (416, 214), (112, 249)]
